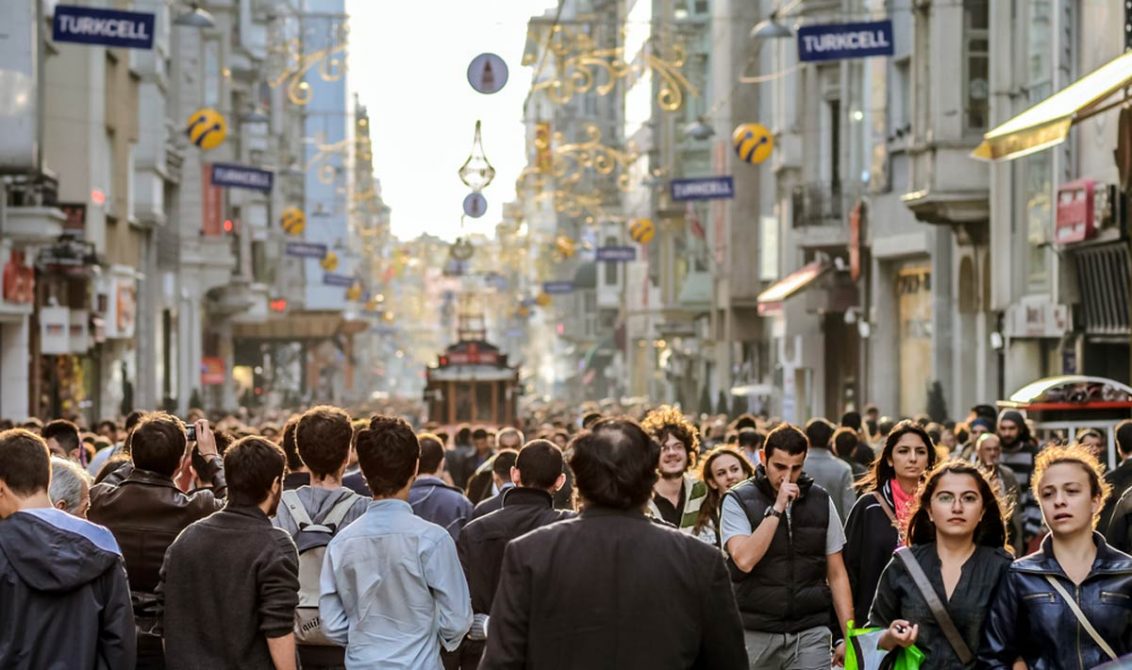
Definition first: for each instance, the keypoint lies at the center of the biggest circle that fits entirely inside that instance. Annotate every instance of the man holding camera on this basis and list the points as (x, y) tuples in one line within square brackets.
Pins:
[(147, 510)]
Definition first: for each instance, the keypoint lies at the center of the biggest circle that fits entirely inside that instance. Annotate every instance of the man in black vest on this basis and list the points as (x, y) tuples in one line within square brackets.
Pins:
[(784, 539)]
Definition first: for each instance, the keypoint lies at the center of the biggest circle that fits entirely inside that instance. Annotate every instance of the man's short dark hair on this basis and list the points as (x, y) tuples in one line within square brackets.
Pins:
[(25, 463), (614, 464), (157, 443), (322, 436), (224, 439), (1123, 433), (479, 434), (251, 466), (63, 432), (108, 423), (133, 419), (388, 452), (787, 438), (819, 432), (540, 464), (590, 419), (503, 462), (851, 420), (432, 453), (290, 447), (750, 438), (885, 426), (845, 441)]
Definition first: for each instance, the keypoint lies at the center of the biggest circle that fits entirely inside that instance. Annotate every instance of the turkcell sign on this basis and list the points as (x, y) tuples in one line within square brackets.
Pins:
[(330, 279), (558, 287), (242, 176), (845, 40), (106, 27), (708, 188), (616, 254), (306, 249)]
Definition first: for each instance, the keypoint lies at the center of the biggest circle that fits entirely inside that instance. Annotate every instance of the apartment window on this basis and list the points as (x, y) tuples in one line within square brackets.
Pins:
[(701, 6), (902, 94), (976, 45), (834, 109)]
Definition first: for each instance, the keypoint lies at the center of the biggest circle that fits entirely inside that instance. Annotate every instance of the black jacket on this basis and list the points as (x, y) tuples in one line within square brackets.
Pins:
[(229, 582), (65, 601), (609, 589), (787, 591), (1029, 619), (482, 541), (870, 539), (1120, 479)]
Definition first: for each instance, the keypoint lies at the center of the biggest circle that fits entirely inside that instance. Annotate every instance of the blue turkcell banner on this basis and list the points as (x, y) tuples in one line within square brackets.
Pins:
[(306, 249), (331, 279), (621, 254), (558, 287), (105, 27), (845, 40), (241, 176), (705, 188)]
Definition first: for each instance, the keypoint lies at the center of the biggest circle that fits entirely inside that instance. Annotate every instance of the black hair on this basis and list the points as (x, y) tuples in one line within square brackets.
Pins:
[(157, 443), (819, 432), (882, 471), (64, 432), (750, 438), (251, 467), (432, 453), (851, 420), (991, 529), (1123, 432), (388, 452), (503, 461), (322, 436), (540, 464), (787, 438), (25, 463), (290, 447), (615, 464)]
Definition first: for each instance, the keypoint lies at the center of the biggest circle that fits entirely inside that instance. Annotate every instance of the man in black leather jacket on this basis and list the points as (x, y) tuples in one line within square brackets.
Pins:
[(148, 509)]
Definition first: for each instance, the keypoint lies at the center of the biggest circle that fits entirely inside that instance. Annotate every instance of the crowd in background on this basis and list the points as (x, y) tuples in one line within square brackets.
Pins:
[(599, 536)]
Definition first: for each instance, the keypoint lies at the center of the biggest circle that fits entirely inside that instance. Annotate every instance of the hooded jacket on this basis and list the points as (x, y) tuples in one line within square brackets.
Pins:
[(444, 505), (66, 600)]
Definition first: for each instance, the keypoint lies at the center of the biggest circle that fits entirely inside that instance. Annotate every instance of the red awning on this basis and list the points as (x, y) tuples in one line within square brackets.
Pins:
[(770, 300)]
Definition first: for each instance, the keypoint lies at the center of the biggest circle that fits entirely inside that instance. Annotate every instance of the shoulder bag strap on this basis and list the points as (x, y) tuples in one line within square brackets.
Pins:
[(886, 507), (339, 512), (942, 617), (1081, 618), (295, 506)]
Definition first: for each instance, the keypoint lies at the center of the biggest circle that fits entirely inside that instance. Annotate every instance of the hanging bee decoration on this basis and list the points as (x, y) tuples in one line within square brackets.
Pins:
[(207, 128)]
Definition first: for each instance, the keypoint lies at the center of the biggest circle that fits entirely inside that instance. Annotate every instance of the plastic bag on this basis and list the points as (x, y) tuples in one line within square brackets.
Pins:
[(861, 652)]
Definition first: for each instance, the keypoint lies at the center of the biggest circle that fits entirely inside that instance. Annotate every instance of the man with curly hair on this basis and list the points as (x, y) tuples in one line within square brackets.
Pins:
[(677, 496)]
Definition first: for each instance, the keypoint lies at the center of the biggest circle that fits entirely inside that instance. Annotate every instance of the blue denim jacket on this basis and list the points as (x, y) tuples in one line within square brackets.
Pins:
[(393, 591)]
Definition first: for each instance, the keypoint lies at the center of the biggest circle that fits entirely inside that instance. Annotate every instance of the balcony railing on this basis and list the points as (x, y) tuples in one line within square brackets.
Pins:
[(819, 204)]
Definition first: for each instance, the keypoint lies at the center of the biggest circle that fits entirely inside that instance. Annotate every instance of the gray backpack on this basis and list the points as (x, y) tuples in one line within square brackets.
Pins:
[(311, 540)]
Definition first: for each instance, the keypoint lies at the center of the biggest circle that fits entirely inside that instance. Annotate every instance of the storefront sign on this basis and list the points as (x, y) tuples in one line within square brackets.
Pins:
[(118, 303), (18, 280), (845, 40), (1076, 218), (558, 287), (79, 331), (229, 175), (1037, 319), (54, 330), (105, 27), (212, 371), (306, 249), (709, 188), (616, 254)]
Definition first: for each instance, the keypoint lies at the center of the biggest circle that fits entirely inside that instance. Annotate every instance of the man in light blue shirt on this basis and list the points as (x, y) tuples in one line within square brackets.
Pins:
[(392, 589)]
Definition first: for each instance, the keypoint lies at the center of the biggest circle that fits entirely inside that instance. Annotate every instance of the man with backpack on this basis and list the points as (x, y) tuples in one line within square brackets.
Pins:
[(314, 514)]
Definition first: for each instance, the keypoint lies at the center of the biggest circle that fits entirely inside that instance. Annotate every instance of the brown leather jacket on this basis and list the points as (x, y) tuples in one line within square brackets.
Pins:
[(146, 512)]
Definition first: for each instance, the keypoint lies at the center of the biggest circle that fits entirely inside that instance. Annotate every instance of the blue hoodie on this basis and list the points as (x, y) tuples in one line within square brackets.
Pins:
[(66, 599), (444, 505)]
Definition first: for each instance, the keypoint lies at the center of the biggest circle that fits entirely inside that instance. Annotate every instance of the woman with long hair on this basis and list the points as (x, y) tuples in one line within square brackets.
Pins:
[(1069, 604), (956, 535), (873, 529), (722, 468)]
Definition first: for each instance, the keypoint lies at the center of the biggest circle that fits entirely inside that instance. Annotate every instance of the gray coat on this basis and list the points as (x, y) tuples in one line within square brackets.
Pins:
[(835, 476)]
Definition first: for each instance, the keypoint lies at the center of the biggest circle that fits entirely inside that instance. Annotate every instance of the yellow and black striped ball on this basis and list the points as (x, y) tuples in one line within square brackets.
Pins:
[(642, 231), (207, 128), (354, 292), (329, 262), (753, 142), (293, 221)]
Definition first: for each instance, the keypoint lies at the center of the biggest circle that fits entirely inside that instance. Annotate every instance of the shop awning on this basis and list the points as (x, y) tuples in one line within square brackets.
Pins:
[(1047, 123), (294, 326), (771, 300)]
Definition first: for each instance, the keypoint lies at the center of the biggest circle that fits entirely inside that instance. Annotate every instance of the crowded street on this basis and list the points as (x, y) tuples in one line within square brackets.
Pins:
[(565, 334)]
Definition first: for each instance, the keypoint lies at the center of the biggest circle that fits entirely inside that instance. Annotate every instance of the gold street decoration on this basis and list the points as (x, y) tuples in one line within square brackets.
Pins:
[(293, 221), (329, 262), (292, 64), (581, 67), (207, 128), (477, 172), (642, 231)]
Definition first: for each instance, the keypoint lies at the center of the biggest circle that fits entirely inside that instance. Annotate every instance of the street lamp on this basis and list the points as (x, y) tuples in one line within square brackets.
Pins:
[(195, 18), (770, 29), (699, 129)]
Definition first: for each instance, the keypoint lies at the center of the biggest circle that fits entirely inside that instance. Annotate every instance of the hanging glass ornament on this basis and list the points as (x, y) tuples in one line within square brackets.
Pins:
[(477, 172)]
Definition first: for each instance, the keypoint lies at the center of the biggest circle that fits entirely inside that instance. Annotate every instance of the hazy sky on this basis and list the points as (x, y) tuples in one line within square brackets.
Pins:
[(408, 65)]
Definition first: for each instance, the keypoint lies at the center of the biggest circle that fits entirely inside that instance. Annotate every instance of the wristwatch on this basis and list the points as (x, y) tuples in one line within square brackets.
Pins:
[(770, 511)]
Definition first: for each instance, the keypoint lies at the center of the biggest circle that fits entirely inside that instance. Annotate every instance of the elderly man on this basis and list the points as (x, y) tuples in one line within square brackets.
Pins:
[(70, 487), (988, 456)]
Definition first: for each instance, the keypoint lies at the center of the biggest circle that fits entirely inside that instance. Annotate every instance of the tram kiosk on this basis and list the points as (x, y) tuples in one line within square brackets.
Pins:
[(1062, 406)]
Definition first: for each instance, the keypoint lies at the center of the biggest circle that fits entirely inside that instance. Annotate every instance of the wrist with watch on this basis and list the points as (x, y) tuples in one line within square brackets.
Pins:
[(771, 511)]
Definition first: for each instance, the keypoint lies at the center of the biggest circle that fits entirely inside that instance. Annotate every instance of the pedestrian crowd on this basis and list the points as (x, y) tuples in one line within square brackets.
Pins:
[(603, 541)]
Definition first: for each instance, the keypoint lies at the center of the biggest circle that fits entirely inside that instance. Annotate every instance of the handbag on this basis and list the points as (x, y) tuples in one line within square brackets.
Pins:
[(942, 617), (1081, 618), (861, 652)]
